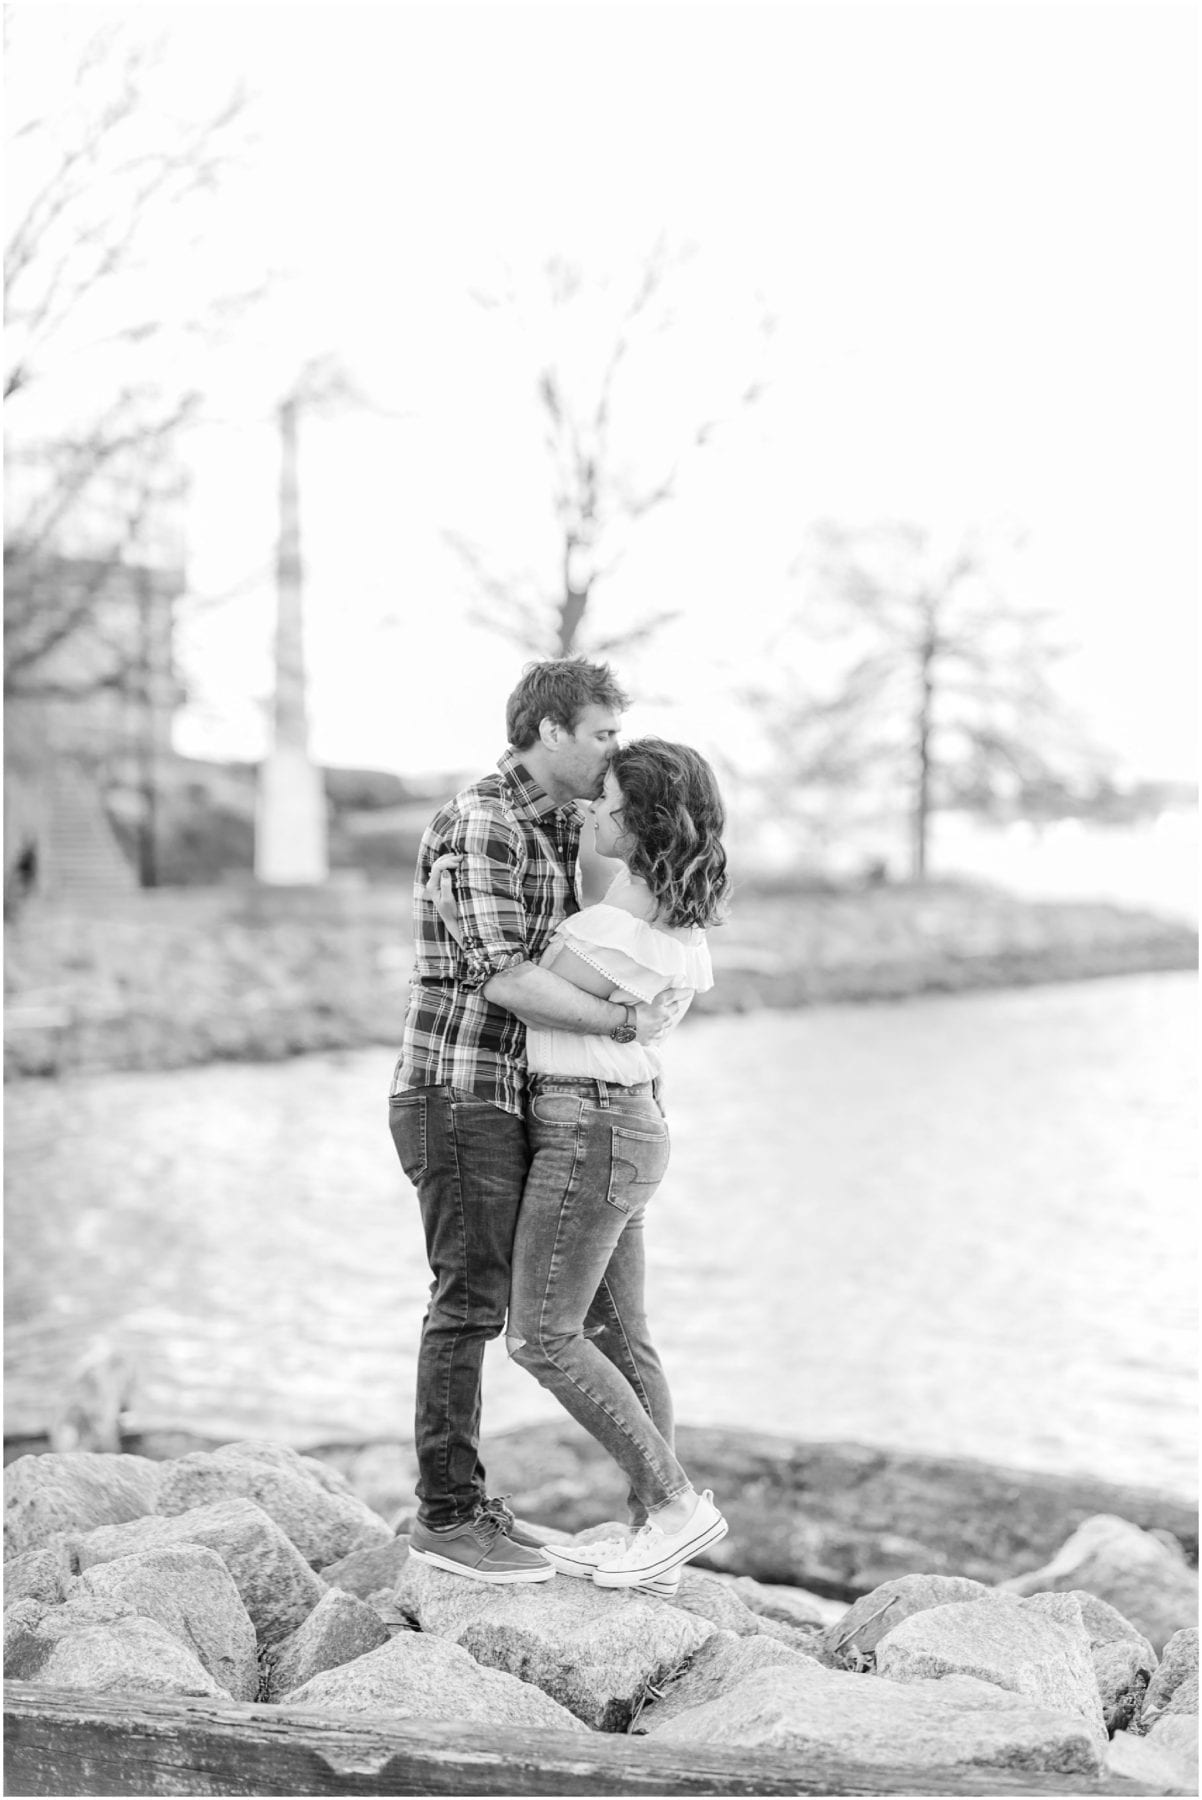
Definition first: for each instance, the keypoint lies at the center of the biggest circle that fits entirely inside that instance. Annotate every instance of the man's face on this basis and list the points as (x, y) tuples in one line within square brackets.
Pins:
[(582, 756)]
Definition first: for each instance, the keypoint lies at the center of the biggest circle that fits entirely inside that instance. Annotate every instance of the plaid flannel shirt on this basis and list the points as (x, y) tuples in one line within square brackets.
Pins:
[(516, 880)]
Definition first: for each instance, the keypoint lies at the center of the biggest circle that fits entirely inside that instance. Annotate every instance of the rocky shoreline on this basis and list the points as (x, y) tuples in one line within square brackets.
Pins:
[(175, 978), (1004, 1622)]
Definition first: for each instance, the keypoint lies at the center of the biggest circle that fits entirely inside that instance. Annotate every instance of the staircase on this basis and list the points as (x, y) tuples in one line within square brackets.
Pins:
[(79, 853)]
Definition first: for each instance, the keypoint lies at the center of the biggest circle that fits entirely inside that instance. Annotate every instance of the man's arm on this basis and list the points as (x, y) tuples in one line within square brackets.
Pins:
[(540, 997)]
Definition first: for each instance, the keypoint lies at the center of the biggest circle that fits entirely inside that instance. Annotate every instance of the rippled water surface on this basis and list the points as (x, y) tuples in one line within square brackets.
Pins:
[(961, 1224)]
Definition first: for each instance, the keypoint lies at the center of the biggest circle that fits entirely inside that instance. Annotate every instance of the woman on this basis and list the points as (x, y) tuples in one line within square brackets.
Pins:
[(599, 1149)]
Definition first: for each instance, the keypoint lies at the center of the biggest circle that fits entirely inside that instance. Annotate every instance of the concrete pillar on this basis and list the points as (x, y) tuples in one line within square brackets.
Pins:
[(290, 817)]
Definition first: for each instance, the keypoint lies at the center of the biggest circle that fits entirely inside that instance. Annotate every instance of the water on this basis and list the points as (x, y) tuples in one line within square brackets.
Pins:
[(961, 1224)]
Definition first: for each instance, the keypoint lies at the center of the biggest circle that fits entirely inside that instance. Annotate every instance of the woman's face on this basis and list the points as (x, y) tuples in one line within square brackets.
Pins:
[(608, 828)]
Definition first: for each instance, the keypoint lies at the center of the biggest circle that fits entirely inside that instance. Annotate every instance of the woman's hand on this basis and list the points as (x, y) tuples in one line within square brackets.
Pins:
[(440, 892)]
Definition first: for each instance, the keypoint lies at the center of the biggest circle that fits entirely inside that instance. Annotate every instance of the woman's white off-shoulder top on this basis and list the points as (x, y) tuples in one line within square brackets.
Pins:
[(641, 960)]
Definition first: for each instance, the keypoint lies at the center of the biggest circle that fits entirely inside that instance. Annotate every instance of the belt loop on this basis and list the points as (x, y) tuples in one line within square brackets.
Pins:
[(603, 1092)]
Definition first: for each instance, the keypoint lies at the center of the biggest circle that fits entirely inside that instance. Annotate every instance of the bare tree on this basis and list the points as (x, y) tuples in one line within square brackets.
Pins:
[(599, 494), (102, 193), (938, 690)]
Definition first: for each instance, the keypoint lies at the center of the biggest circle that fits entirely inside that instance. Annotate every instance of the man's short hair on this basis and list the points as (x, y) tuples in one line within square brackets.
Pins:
[(559, 689)]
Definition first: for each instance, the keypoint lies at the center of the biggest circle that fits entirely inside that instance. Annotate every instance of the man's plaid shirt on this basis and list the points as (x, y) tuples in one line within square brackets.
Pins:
[(516, 879)]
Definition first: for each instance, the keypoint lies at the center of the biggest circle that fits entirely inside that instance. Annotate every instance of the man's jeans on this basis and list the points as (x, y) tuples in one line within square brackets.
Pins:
[(576, 1312), (468, 1160)]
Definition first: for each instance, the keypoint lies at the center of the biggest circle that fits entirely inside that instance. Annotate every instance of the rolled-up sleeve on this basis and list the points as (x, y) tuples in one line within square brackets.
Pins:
[(488, 888)]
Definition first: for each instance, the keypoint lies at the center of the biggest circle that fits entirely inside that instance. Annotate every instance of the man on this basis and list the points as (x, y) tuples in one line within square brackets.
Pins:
[(458, 1094)]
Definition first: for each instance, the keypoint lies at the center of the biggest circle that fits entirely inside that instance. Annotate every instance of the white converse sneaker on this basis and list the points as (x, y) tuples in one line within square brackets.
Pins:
[(665, 1586), (582, 1559), (653, 1552)]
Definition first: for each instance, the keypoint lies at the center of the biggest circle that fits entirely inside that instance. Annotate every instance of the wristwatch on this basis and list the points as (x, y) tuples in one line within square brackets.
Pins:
[(626, 1031)]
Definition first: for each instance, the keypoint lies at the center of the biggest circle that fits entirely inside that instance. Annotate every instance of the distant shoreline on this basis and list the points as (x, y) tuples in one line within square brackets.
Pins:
[(177, 978)]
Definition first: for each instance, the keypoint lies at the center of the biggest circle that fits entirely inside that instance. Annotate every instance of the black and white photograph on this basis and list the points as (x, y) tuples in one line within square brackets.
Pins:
[(601, 897)]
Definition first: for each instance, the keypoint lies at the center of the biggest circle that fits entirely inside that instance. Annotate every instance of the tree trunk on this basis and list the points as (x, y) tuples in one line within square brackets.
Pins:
[(147, 746), (920, 820), (290, 817), (575, 599)]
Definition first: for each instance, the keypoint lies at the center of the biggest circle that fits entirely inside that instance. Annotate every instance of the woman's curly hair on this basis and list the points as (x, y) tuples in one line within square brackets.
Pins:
[(672, 809)]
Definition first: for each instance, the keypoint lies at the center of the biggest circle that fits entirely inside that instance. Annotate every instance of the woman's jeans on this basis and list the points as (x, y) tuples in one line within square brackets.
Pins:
[(576, 1311), (468, 1161)]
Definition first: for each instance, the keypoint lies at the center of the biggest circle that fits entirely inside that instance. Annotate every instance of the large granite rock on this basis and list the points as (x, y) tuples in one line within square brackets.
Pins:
[(418, 1677), (1121, 1672), (722, 1662), (279, 1590), (839, 1519), (957, 1722), (368, 1572), (1134, 1759), (708, 1598), (384, 1475), (44, 1573), (853, 1639), (1140, 1574), (720, 1599), (1037, 1648), (312, 1504), (101, 1646), (76, 1491), (594, 1650), (1123, 1659), (787, 1605), (337, 1631), (190, 1592), (1176, 1737), (1174, 1686)]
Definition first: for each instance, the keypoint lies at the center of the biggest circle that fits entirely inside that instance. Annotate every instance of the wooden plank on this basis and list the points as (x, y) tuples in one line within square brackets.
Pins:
[(67, 1743)]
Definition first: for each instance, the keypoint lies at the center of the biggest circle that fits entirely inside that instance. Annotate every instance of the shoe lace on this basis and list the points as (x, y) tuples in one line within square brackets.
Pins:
[(488, 1526), (495, 1508), (644, 1538)]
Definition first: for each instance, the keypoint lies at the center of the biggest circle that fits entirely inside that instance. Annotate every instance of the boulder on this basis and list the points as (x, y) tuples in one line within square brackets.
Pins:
[(1176, 1737), (367, 1572), (1134, 1759), (959, 1722), (418, 1677), (339, 1629), (839, 1518), (708, 1598), (1174, 1686), (312, 1504), (75, 1491), (721, 1663), (788, 1605), (383, 1475), (282, 1456), (1037, 1648), (855, 1636), (279, 1590), (1143, 1576), (101, 1646), (718, 1599), (805, 1639), (190, 1592), (593, 1650), (1121, 1672), (41, 1574), (1123, 1659)]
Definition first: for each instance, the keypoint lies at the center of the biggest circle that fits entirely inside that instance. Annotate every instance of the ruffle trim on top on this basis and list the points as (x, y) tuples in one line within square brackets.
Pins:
[(634, 954)]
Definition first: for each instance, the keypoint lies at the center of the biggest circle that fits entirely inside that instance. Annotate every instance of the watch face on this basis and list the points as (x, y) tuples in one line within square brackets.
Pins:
[(623, 1034)]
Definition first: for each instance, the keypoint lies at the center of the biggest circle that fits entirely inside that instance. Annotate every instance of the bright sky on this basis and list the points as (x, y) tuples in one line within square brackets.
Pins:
[(974, 224)]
